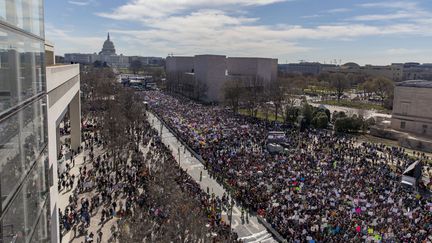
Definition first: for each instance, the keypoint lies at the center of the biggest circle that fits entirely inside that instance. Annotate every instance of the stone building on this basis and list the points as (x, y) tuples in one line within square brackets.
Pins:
[(203, 77), (412, 107), (109, 56)]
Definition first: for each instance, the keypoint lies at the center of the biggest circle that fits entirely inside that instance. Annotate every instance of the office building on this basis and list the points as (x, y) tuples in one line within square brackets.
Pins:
[(416, 71), (24, 165), (32, 97), (304, 68), (396, 71), (203, 77), (412, 107)]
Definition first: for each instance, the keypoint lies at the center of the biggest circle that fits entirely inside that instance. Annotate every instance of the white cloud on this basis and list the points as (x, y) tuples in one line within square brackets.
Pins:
[(338, 10), (408, 11), (143, 9), (391, 16), (80, 3), (67, 42), (312, 16), (216, 32), (187, 27), (403, 51), (406, 5)]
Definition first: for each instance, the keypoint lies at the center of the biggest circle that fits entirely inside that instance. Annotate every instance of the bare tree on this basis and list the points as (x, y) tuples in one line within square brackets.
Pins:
[(339, 83), (200, 90), (276, 94), (383, 87), (254, 87), (233, 92)]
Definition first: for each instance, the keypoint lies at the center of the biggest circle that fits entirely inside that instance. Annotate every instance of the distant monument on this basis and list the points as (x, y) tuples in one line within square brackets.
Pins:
[(108, 48)]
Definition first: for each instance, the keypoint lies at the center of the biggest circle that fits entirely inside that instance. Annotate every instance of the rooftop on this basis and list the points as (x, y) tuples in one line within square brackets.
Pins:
[(416, 83)]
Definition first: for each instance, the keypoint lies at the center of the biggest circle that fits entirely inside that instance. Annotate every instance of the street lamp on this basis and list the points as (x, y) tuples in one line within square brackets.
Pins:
[(161, 126), (231, 212), (178, 151)]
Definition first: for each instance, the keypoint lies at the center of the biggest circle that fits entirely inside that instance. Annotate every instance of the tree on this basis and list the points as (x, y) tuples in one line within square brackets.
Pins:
[(336, 115), (100, 64), (276, 93), (200, 90), (349, 124), (383, 87), (307, 112), (320, 120), (136, 66), (291, 114), (233, 93), (339, 83), (252, 94)]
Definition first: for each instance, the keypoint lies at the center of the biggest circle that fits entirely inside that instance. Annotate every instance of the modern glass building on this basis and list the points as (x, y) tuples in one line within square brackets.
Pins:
[(24, 167)]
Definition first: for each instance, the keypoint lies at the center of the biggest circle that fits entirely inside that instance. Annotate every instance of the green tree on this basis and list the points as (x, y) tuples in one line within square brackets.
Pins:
[(307, 112), (320, 120)]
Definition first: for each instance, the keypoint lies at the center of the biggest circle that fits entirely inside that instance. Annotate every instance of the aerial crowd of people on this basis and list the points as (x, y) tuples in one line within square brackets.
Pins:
[(114, 187), (324, 187)]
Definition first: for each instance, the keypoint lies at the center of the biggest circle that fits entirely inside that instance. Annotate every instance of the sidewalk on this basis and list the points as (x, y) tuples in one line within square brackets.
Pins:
[(253, 231), (63, 201)]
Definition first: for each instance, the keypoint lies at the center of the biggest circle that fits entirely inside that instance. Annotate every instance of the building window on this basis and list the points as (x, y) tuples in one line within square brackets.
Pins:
[(22, 71), (402, 125)]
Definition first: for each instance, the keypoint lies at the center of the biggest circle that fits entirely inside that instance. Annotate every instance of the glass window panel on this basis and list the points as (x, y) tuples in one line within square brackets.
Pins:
[(22, 138), (42, 229), (24, 14), (3, 10), (19, 222), (22, 71)]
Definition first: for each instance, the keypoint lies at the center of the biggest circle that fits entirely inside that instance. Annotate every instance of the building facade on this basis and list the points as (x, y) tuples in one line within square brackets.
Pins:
[(412, 107), (24, 165), (34, 95), (396, 71), (203, 77), (304, 68), (109, 56)]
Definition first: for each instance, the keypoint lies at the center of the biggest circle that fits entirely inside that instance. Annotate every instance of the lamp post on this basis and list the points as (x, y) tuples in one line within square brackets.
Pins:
[(161, 126), (178, 151)]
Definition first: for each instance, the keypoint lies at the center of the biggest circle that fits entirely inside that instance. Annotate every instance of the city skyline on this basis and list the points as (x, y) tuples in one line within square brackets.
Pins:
[(365, 32)]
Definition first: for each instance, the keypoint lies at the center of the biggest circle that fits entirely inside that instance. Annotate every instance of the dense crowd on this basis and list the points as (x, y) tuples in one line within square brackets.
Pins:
[(327, 187), (116, 186)]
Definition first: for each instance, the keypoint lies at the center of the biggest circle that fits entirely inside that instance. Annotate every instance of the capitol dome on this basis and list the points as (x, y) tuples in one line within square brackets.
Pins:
[(108, 47)]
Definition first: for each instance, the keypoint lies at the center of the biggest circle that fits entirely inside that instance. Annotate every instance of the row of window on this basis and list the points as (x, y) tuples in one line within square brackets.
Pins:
[(24, 14), (27, 218), (24, 165), (22, 68)]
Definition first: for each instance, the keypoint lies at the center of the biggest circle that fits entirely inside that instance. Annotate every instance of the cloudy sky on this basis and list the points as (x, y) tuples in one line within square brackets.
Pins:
[(366, 32)]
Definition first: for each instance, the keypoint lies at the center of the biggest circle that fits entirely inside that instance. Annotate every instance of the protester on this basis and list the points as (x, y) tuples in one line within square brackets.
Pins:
[(114, 185), (325, 187)]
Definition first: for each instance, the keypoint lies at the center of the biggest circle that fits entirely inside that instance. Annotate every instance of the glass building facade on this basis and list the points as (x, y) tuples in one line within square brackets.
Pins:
[(24, 187)]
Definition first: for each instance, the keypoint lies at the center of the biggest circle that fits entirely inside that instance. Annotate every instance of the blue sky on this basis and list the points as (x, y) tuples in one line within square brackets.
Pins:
[(366, 32)]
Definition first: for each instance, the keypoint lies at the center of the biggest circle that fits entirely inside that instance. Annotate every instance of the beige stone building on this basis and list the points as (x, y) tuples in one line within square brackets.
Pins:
[(203, 77), (412, 107)]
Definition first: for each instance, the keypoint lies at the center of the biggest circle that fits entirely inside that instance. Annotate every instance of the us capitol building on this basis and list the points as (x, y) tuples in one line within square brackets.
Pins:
[(109, 56)]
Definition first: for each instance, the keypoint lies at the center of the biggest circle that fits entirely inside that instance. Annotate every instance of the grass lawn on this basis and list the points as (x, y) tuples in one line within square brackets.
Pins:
[(354, 104), (261, 115)]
